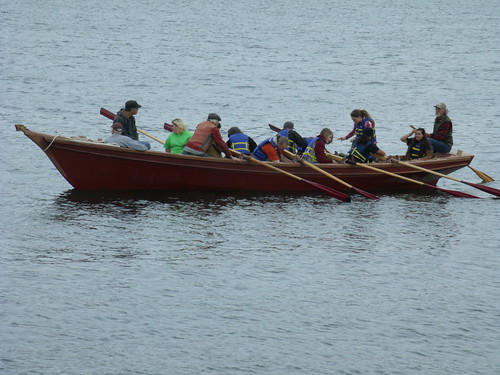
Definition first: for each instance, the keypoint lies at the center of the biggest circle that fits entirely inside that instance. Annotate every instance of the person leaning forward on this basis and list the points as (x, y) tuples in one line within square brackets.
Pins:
[(271, 149), (205, 137)]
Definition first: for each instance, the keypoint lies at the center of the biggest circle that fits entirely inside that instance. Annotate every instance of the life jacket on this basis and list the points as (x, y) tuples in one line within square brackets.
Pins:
[(360, 126), (360, 152), (202, 137), (259, 154), (239, 142), (292, 146), (310, 154), (416, 150)]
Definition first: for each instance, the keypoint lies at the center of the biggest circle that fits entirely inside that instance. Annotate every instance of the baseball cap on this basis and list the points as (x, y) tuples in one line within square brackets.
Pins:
[(440, 105), (132, 104)]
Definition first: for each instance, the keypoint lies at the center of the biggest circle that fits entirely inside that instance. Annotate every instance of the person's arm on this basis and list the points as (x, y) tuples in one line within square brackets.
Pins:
[(167, 145), (271, 152), (319, 150), (217, 137), (349, 135), (405, 137), (298, 139), (443, 131), (251, 144)]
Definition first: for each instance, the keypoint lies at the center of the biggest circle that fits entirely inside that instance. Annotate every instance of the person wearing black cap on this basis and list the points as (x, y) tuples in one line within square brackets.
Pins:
[(296, 143), (363, 149), (125, 117), (207, 136)]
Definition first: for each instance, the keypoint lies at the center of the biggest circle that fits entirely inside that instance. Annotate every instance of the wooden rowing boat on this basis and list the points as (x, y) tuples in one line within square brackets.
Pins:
[(100, 166)]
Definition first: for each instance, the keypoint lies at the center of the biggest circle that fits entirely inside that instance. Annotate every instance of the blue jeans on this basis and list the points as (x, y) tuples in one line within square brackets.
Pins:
[(438, 146), (147, 144)]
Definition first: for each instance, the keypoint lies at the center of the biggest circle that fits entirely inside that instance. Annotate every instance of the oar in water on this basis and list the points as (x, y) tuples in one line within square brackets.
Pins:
[(452, 192), (111, 116), (359, 191), (483, 176), (334, 193), (487, 189)]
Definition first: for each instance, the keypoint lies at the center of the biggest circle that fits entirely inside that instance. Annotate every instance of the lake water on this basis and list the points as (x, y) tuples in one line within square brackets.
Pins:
[(160, 283)]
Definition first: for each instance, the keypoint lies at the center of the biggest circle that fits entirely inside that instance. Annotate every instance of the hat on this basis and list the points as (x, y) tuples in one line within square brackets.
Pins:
[(440, 105), (213, 116), (288, 125), (117, 126), (132, 104)]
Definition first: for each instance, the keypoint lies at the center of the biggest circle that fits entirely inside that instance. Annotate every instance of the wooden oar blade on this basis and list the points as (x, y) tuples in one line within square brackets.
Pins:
[(107, 113), (365, 193), (483, 176), (452, 192), (275, 128), (334, 193), (487, 189), (168, 127)]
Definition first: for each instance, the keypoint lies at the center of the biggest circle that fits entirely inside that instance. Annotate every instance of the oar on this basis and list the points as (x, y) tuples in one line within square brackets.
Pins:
[(483, 176), (151, 136), (112, 116), (362, 192), (487, 189), (334, 193), (275, 128), (452, 192)]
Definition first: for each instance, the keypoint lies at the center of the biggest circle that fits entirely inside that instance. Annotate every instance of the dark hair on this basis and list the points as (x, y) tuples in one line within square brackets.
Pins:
[(233, 130), (426, 146), (364, 138)]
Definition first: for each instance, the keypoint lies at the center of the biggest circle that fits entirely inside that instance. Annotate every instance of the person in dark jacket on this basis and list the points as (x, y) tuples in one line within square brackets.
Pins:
[(441, 138), (125, 117), (296, 143)]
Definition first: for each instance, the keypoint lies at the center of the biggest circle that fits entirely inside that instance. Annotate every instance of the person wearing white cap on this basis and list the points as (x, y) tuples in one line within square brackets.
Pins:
[(441, 138)]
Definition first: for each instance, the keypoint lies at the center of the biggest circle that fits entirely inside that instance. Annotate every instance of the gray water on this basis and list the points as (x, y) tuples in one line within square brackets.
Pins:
[(161, 283)]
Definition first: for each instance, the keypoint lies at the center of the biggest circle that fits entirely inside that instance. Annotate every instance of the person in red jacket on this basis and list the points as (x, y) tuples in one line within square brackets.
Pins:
[(316, 151), (207, 135)]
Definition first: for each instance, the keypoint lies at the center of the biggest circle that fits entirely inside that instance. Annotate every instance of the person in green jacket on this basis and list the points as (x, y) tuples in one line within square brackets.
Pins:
[(180, 136)]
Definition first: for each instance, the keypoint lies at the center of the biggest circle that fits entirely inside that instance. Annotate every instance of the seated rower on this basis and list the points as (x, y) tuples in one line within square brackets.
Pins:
[(240, 142), (207, 140), (296, 143), (363, 148), (124, 141), (315, 151), (418, 146), (271, 149)]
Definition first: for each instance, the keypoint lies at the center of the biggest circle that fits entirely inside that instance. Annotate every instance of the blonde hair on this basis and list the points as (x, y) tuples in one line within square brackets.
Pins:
[(180, 123)]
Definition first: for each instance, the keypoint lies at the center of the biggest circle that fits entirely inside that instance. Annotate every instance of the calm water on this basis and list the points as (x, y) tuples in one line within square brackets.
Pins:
[(160, 283)]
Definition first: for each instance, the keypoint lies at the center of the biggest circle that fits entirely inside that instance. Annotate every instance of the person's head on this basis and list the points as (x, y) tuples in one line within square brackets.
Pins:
[(116, 128), (214, 118), (419, 134), (179, 126), (288, 125), (366, 136), (132, 106), (327, 135), (282, 142), (357, 115), (233, 130), (440, 109)]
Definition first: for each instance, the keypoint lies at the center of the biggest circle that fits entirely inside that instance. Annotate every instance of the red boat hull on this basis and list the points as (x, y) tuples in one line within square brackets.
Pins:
[(100, 166)]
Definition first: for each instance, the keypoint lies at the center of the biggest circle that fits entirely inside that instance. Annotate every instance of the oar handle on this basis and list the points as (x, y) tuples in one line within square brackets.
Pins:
[(151, 136)]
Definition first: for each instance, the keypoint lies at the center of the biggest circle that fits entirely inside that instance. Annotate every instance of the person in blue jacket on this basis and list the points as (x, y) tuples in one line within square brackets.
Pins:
[(240, 142)]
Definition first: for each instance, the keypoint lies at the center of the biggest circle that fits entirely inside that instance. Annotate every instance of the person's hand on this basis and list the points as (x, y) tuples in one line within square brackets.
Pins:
[(341, 139)]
